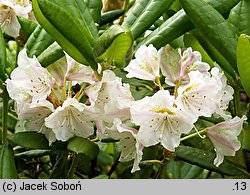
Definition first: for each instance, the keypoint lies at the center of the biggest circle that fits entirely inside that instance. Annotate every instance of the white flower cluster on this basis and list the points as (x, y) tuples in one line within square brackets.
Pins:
[(9, 9), (74, 101), (198, 91)]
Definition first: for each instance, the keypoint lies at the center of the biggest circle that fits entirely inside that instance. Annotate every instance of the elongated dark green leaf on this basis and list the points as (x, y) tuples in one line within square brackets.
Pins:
[(246, 139), (28, 26), (95, 7), (43, 46), (243, 61), (33, 153), (38, 42), (75, 10), (205, 160), (53, 53), (29, 140), (189, 171), (175, 169), (174, 27), (71, 25), (7, 163), (2, 56), (215, 54), (137, 10), (179, 24), (83, 146), (110, 16), (240, 17), (214, 27), (84, 164), (145, 14), (61, 166), (114, 47)]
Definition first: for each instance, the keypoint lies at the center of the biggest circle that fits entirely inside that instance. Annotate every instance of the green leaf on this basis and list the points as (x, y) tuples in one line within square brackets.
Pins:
[(38, 41), (179, 24), (33, 153), (140, 92), (7, 163), (83, 146), (11, 52), (2, 56), (114, 47), (110, 16), (215, 55), (84, 164), (214, 27), (50, 55), (246, 139), (28, 26), (104, 158), (171, 29), (95, 7), (189, 171), (175, 169), (145, 14), (240, 17), (71, 25), (60, 169), (43, 46), (205, 160), (132, 81), (29, 140), (243, 61)]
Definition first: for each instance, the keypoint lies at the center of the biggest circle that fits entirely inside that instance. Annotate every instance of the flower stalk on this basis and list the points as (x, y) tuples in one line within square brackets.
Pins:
[(5, 116), (237, 100), (158, 83), (194, 134), (73, 166)]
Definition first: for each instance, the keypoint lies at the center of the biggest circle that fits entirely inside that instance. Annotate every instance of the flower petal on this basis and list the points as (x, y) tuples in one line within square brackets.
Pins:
[(224, 138), (70, 119), (145, 65)]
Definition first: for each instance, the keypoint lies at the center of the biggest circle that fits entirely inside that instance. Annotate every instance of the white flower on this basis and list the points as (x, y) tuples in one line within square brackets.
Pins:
[(111, 98), (9, 9), (34, 115), (170, 65), (138, 157), (29, 82), (225, 93), (96, 93), (145, 65), (176, 65), (21, 7), (9, 22), (160, 121), (78, 72), (191, 61), (131, 148), (72, 118), (224, 138), (120, 102), (198, 97)]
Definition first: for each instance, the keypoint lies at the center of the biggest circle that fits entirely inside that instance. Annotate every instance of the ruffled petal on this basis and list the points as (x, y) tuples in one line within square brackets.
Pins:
[(224, 138)]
